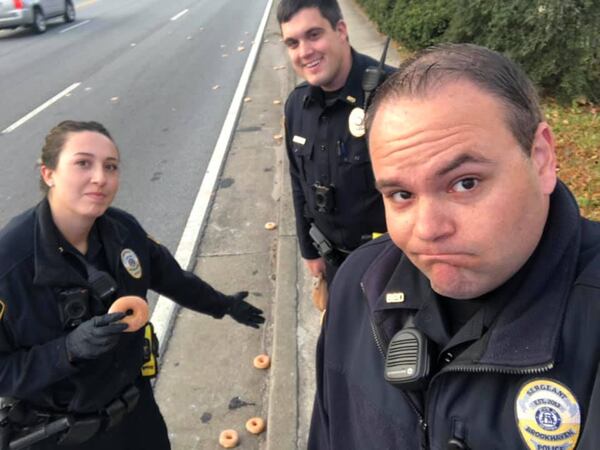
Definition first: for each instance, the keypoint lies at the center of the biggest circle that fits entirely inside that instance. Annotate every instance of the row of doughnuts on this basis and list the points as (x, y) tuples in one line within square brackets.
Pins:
[(229, 438)]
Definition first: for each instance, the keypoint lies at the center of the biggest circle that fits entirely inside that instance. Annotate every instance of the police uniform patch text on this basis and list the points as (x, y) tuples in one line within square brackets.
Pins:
[(548, 415)]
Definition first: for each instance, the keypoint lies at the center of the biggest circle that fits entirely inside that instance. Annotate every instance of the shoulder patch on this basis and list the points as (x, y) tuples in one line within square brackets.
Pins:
[(131, 263), (548, 415)]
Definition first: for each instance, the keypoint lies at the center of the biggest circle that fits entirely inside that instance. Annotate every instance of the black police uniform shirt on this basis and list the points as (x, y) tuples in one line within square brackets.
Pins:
[(523, 368), (34, 271), (322, 150)]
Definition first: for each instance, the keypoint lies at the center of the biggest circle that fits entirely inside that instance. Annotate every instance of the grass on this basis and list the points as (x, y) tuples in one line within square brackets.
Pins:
[(577, 133)]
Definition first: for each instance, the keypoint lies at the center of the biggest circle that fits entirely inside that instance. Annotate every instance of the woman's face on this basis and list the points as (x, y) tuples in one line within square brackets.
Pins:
[(86, 178)]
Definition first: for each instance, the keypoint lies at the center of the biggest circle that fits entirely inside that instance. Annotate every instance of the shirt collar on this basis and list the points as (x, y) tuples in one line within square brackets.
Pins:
[(50, 268), (527, 308)]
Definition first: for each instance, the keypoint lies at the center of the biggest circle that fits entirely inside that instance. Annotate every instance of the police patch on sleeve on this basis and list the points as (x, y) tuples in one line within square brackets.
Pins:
[(547, 415), (131, 263)]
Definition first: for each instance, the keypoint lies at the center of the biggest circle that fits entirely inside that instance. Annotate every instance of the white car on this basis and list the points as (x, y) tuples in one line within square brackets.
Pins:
[(34, 13)]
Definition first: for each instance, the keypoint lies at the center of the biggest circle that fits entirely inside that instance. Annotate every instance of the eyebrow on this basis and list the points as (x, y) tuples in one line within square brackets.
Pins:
[(290, 40), (93, 155), (459, 161), (452, 165)]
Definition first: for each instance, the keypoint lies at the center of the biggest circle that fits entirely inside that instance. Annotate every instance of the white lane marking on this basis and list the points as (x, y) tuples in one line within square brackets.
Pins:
[(164, 312), (178, 15), (75, 26), (39, 109)]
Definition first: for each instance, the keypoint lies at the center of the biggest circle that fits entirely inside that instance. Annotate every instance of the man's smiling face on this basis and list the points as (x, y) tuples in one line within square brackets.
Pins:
[(319, 52)]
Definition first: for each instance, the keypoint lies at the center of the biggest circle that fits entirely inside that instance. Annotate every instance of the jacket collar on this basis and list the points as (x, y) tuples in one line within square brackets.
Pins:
[(50, 267), (534, 302)]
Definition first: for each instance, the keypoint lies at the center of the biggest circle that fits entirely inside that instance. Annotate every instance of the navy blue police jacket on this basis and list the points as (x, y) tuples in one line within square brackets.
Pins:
[(34, 366), (525, 369), (322, 150)]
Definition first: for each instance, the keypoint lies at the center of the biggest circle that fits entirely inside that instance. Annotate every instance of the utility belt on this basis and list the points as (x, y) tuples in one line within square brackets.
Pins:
[(22, 425), (327, 250)]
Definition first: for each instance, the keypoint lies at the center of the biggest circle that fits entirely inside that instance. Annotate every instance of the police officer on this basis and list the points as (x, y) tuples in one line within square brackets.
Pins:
[(332, 181), (71, 372), (474, 325)]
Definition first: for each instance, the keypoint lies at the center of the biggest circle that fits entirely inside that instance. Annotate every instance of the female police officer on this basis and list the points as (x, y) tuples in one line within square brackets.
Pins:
[(74, 376)]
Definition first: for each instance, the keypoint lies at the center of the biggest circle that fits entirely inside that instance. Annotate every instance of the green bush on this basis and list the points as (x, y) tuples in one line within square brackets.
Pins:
[(557, 42), (378, 10), (420, 23)]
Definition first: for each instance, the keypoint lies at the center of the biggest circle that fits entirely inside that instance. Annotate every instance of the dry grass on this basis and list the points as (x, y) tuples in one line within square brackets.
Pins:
[(577, 133)]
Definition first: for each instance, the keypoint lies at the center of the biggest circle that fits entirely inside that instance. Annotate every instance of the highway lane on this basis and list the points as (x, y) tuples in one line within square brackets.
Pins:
[(161, 86)]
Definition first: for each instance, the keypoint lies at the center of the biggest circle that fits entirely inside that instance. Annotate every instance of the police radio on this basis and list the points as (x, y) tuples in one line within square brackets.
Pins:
[(409, 358), (373, 76)]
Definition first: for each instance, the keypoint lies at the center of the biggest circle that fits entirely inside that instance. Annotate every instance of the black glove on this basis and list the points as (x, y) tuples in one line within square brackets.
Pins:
[(94, 337), (244, 312)]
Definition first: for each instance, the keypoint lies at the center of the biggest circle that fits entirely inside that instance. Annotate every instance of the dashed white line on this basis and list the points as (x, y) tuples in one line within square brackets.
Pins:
[(40, 108), (178, 15), (75, 26)]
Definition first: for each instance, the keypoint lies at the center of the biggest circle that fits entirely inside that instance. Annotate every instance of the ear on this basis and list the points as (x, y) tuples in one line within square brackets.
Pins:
[(342, 29), (543, 157), (47, 175)]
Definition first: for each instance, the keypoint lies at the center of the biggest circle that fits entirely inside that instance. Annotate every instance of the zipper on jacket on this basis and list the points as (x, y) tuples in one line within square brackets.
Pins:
[(423, 423), (479, 370), (380, 344)]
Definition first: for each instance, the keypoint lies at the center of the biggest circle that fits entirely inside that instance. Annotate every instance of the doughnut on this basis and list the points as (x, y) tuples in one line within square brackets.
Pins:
[(229, 438), (270, 226), (262, 361), (255, 425), (136, 309)]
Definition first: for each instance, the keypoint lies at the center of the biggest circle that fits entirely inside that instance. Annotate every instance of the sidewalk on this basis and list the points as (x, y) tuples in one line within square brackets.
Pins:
[(207, 382)]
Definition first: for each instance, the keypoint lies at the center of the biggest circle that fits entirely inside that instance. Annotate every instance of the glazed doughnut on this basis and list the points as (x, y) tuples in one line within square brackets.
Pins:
[(136, 309), (229, 438), (255, 425), (262, 361)]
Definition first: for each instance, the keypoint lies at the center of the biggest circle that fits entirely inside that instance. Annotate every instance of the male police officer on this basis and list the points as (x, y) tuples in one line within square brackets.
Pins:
[(475, 325), (335, 200)]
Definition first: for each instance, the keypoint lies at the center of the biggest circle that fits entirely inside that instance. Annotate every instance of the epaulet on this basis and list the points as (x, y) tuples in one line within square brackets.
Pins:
[(153, 239)]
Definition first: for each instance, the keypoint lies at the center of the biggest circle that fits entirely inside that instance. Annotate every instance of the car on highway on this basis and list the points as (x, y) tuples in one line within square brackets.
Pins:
[(34, 13)]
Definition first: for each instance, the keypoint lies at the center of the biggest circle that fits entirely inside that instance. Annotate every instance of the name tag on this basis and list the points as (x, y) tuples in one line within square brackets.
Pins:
[(394, 297), (299, 140)]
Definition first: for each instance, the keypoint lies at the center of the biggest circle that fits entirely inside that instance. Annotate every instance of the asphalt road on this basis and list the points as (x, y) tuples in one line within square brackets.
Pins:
[(159, 74)]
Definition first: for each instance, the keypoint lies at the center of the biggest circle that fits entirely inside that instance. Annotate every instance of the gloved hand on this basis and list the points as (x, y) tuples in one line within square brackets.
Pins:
[(95, 336), (244, 312)]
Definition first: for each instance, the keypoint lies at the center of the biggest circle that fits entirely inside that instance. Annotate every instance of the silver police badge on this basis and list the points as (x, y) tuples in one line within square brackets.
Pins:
[(356, 122), (131, 263), (547, 415)]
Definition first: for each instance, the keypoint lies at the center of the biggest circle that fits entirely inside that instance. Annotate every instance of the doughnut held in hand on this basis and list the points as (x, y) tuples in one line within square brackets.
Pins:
[(136, 309), (262, 362), (255, 425), (229, 438)]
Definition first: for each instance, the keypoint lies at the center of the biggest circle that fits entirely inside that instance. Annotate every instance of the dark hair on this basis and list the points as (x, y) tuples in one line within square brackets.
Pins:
[(55, 141), (329, 9), (487, 69)]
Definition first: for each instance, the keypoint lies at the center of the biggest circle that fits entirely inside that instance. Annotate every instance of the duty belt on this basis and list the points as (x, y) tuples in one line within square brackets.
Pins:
[(22, 426)]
